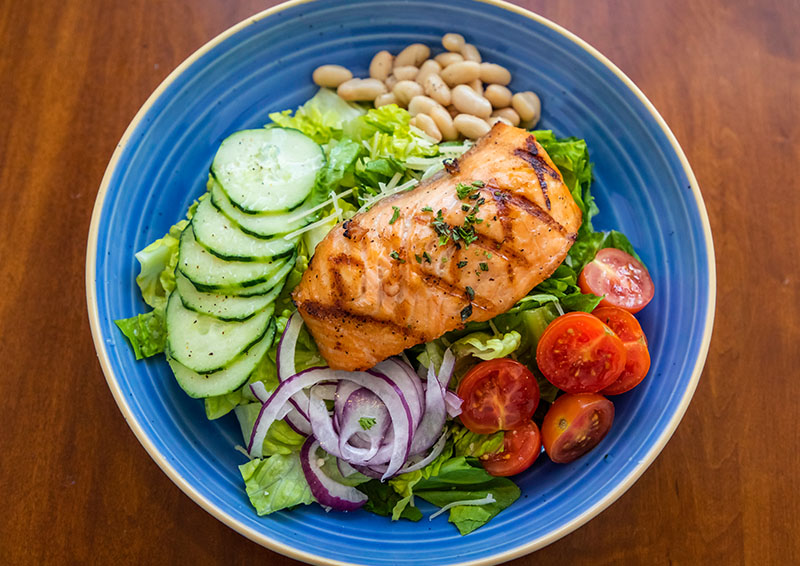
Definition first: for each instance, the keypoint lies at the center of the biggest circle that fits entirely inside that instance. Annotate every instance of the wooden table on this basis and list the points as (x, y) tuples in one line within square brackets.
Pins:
[(78, 488)]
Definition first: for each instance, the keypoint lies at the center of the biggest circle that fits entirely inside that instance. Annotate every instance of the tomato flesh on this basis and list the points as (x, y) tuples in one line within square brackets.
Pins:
[(521, 446), (575, 424), (497, 395), (619, 276), (637, 355), (579, 354)]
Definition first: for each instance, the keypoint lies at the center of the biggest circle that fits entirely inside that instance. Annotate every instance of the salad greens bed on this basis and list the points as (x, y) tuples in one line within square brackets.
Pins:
[(372, 153)]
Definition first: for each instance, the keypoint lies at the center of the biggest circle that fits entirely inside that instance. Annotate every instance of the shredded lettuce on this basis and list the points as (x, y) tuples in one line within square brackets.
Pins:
[(275, 483), (473, 445)]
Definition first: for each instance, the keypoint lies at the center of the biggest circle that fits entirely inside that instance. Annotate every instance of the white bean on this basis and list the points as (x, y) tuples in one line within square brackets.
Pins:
[(453, 42), (390, 81), (467, 101), (444, 122), (498, 95), (427, 125), (361, 89), (447, 59), (414, 55), (331, 76), (406, 73), (495, 119), (509, 114), (385, 99), (528, 106), (471, 53), (477, 86), (437, 89), (493, 73), (404, 91), (428, 68), (470, 126), (461, 72), (381, 65), (422, 104)]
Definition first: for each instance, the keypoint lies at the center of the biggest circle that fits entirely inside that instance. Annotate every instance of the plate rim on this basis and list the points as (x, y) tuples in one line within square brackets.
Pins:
[(290, 551)]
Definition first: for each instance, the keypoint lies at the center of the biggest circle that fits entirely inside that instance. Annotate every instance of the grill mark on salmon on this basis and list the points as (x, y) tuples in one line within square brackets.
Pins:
[(507, 197), (531, 154), (362, 305)]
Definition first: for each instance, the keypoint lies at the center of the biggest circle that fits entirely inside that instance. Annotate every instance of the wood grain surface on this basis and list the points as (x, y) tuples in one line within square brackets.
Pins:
[(78, 488)]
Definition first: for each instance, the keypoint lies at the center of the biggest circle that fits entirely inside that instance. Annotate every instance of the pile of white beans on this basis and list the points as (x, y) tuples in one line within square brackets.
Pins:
[(451, 95)]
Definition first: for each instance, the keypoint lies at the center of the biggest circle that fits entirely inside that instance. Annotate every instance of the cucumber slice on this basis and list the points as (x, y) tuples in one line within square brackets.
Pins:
[(278, 279), (215, 232), (267, 170), (265, 226), (210, 273), (231, 378), (221, 306), (206, 344)]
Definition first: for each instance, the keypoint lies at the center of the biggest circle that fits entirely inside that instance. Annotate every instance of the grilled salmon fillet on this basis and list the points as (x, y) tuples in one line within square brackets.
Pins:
[(465, 245)]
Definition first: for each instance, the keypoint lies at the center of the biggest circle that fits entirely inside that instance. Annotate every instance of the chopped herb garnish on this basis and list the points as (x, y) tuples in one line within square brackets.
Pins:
[(479, 184), (427, 209), (461, 263), (444, 259), (470, 292), (466, 312), (418, 258), (488, 254), (463, 190), (484, 266), (465, 207), (395, 255), (367, 422), (427, 256), (396, 215)]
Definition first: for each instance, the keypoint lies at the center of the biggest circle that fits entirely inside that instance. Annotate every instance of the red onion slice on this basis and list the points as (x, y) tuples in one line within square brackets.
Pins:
[(362, 404), (327, 492), (294, 418), (284, 361), (417, 462), (453, 403), (408, 383)]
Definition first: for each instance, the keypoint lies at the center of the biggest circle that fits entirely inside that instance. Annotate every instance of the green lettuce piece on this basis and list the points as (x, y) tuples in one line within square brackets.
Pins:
[(467, 518), (147, 333), (331, 469), (157, 262), (472, 445), (275, 483), (455, 479), (220, 405), (386, 133), (321, 118), (280, 439), (383, 499), (341, 163), (485, 346)]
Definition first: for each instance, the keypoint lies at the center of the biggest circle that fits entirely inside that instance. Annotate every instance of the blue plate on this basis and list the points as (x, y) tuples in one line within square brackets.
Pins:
[(644, 187)]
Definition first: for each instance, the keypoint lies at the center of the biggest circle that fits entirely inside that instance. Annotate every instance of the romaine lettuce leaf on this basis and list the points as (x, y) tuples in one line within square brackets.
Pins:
[(157, 262), (275, 483), (485, 346), (220, 405), (147, 333), (280, 439), (472, 445), (321, 118)]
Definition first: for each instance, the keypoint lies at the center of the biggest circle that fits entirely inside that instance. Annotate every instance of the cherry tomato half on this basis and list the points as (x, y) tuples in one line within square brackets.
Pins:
[(579, 354), (637, 358), (575, 424), (521, 447), (620, 277), (498, 395)]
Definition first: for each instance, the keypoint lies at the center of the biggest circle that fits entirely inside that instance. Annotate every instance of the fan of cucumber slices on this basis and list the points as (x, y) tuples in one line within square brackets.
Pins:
[(234, 257)]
